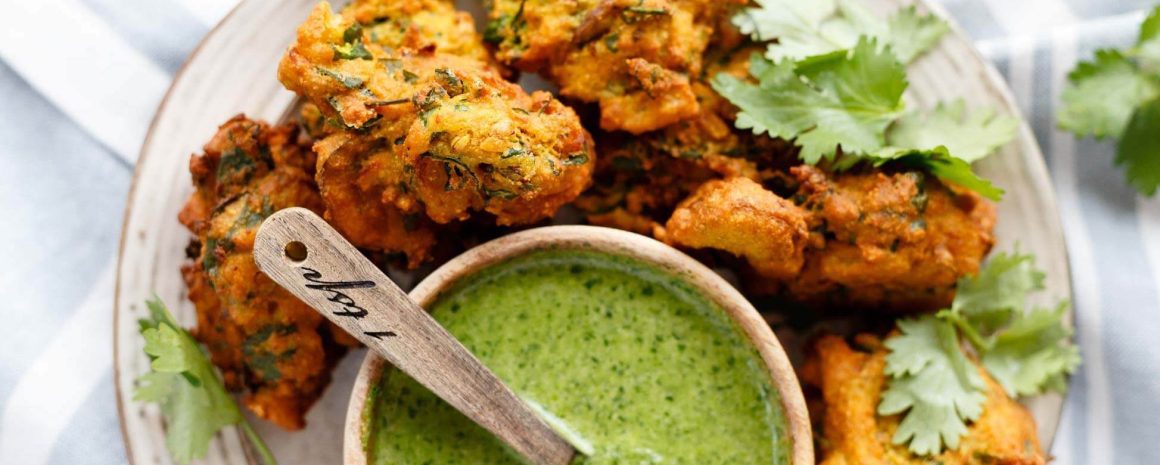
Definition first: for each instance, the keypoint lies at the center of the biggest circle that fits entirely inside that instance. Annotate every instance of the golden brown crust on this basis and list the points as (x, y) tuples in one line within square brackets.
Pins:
[(635, 57), (261, 337), (740, 216), (636, 188), (641, 179), (431, 25), (851, 383), (432, 134), (709, 135), (895, 241), (877, 240), (660, 97), (360, 205)]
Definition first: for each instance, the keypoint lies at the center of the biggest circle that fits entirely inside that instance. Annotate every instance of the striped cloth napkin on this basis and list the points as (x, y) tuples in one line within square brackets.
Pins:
[(80, 80)]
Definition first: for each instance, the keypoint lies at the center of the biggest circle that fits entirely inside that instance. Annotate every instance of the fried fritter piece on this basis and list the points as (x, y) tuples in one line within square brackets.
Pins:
[(896, 241), (710, 139), (888, 240), (316, 125), (740, 216), (430, 25), (635, 57), (851, 383), (710, 135), (641, 179), (636, 188), (261, 337), (359, 203), (437, 134)]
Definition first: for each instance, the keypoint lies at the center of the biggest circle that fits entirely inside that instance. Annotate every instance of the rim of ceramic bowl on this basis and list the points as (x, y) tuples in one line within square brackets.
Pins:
[(614, 242)]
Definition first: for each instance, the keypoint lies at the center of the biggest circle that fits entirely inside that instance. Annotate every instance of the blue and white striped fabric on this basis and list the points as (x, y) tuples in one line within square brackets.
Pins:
[(80, 79)]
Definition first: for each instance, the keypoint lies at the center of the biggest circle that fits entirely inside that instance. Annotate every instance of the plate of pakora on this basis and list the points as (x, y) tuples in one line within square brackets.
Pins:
[(855, 168)]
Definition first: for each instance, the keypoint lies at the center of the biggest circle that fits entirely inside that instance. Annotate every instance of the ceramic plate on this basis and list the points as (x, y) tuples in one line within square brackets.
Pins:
[(234, 71)]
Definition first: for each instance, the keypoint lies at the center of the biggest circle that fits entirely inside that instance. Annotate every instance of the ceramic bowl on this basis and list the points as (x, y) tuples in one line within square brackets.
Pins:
[(612, 242)]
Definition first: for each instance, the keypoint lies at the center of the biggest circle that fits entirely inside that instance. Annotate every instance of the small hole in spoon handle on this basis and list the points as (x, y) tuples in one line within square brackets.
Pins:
[(295, 251)]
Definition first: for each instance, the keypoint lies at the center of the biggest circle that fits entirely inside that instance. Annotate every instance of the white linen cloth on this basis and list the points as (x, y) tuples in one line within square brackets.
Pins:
[(80, 80)]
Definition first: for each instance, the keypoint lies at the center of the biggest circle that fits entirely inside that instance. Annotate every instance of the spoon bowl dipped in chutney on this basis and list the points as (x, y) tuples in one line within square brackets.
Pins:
[(634, 352)]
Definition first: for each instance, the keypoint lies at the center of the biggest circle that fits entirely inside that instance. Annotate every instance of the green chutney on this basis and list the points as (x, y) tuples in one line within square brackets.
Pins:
[(631, 363)]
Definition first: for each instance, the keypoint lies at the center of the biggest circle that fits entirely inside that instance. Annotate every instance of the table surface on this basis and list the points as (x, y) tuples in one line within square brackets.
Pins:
[(80, 80)]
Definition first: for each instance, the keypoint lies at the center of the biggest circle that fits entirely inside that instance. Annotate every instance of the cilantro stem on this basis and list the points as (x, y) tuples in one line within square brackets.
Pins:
[(263, 450), (977, 341)]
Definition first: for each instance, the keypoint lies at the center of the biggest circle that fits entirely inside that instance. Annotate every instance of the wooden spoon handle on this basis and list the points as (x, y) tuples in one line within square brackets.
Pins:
[(303, 254)]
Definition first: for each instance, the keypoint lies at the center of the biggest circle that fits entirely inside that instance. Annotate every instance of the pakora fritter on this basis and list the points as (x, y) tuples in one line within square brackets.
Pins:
[(635, 57), (640, 180), (262, 338), (411, 24), (428, 134), (851, 432), (895, 241), (357, 205), (709, 135), (432, 25), (742, 217), (636, 188)]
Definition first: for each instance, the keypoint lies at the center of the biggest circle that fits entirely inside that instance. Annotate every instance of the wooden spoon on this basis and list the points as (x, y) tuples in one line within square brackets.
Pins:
[(303, 254)]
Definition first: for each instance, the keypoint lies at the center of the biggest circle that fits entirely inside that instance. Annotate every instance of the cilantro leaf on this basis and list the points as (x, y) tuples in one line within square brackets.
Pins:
[(990, 298), (1118, 95), (1147, 48), (818, 27), (1032, 355), (1150, 28), (352, 33), (939, 162), (954, 170), (1139, 148), (183, 382), (352, 51), (1027, 353), (842, 99), (844, 102), (352, 47), (798, 27), (350, 82), (832, 83), (912, 33), (940, 389), (1103, 94), (933, 382), (968, 138)]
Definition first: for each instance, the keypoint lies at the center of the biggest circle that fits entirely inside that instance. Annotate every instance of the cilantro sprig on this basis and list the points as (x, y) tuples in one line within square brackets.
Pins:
[(846, 99), (1117, 95), (932, 380), (183, 382), (845, 107)]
